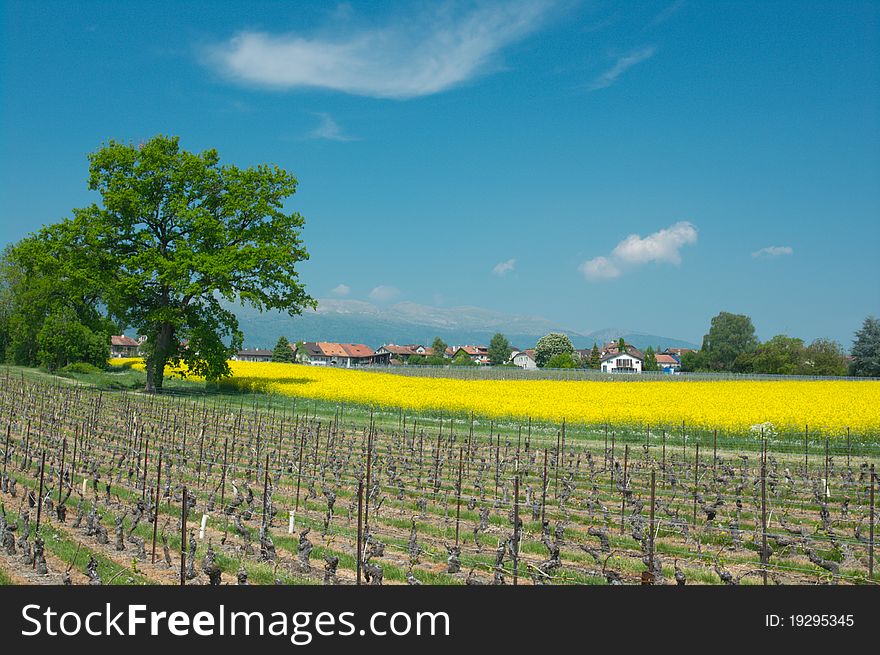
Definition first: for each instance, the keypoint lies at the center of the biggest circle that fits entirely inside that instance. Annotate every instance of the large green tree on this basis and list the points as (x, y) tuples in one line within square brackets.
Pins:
[(595, 357), (729, 336), (781, 355), (555, 343), (866, 349), (824, 357), (499, 349), (176, 235), (692, 361), (50, 303)]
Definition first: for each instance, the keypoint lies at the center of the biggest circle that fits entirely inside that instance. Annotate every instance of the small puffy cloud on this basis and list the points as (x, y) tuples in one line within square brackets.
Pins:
[(504, 268), (341, 290), (622, 65), (662, 247), (599, 268), (772, 251), (384, 293)]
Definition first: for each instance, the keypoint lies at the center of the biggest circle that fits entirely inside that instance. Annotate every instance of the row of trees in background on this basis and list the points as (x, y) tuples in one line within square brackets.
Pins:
[(732, 346)]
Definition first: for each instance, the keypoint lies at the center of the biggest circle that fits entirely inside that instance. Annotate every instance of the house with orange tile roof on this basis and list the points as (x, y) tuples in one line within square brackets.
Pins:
[(344, 355), (668, 363), (479, 354)]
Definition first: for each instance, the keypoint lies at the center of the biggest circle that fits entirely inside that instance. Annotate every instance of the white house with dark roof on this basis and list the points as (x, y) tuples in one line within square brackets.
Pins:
[(524, 359), (629, 361)]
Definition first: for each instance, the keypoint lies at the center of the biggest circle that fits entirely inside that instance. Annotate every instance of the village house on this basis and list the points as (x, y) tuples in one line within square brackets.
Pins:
[(631, 360), (345, 355), (253, 355), (400, 353), (525, 359), (668, 363), (478, 354), (677, 352), (123, 346)]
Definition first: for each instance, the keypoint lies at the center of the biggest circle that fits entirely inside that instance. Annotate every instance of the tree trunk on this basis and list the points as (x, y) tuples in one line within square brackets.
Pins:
[(158, 357)]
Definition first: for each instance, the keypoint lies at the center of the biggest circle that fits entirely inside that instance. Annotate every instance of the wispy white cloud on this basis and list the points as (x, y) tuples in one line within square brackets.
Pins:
[(341, 290), (660, 247), (504, 268), (622, 65), (773, 251), (328, 129), (410, 56), (384, 293), (667, 12)]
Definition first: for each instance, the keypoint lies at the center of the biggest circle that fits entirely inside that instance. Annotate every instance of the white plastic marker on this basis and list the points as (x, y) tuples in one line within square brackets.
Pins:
[(827, 490), (84, 488), (290, 523), (202, 529)]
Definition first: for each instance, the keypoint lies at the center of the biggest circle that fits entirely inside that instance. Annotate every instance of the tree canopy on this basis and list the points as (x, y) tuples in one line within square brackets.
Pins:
[(49, 304), (499, 349), (866, 349), (282, 351), (555, 343), (730, 335), (176, 235), (650, 363)]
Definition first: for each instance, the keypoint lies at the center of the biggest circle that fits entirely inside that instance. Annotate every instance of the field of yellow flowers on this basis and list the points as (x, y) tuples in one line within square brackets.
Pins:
[(731, 405)]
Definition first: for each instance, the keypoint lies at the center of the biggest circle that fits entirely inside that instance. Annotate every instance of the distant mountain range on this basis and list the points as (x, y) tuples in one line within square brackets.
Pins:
[(355, 321)]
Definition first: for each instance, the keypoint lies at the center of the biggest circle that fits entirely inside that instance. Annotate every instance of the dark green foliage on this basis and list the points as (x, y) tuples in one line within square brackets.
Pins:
[(439, 346), (282, 351), (595, 361), (693, 361), (49, 306), (463, 359), (730, 335), (562, 360), (866, 349), (499, 349), (63, 339), (824, 357), (650, 363)]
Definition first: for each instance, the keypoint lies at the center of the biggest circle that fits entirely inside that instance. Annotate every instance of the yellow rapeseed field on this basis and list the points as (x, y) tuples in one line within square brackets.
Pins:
[(733, 405)]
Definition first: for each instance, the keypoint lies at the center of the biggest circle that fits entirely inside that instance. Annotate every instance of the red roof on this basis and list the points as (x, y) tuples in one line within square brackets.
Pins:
[(666, 359), (474, 350), (122, 340), (357, 350), (399, 350)]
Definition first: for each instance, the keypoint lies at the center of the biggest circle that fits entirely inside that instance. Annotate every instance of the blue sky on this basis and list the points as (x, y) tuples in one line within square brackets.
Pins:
[(642, 165)]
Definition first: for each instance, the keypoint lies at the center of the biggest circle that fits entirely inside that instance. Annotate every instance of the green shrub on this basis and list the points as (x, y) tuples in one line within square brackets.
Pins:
[(81, 367)]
